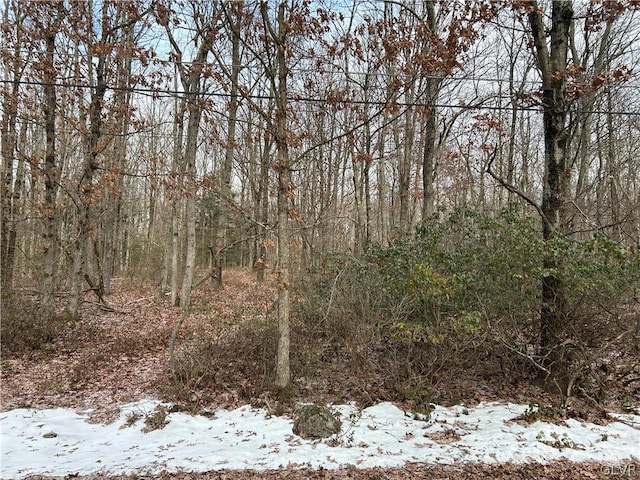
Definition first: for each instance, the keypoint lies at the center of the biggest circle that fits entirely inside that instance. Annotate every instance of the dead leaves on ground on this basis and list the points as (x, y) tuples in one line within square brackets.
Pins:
[(469, 471), (114, 358), (118, 358)]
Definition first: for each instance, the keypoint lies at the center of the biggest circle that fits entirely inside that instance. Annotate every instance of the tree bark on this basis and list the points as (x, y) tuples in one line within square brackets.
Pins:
[(177, 170), (552, 65), (382, 204), (405, 161), (585, 121), (262, 213), (9, 185), (186, 164), (224, 183), (52, 174), (86, 190), (285, 192), (429, 153), (113, 192), (194, 103), (278, 77)]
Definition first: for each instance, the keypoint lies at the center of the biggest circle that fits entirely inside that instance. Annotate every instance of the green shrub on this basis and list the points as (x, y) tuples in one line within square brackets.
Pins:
[(599, 274), (463, 286), (472, 269), (461, 273)]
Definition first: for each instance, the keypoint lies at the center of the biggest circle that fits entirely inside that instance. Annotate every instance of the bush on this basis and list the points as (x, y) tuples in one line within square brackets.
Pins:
[(27, 326), (237, 354), (462, 278), (600, 274), (464, 287), (341, 295)]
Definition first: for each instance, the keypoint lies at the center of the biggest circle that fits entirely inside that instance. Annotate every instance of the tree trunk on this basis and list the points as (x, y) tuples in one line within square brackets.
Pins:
[(262, 206), (193, 125), (113, 193), (552, 65), (613, 173), (381, 177), (585, 129), (225, 172), (191, 77), (52, 176), (285, 188), (429, 153), (429, 157), (362, 157), (8, 225), (404, 166), (285, 191), (360, 228), (177, 171), (86, 191)]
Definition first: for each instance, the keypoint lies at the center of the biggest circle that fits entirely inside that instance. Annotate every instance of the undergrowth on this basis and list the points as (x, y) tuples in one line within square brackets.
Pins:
[(28, 326), (461, 298), (448, 314)]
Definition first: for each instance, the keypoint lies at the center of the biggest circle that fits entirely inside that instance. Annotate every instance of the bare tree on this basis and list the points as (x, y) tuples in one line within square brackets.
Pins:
[(127, 16), (191, 77), (278, 32), (52, 175), (11, 185), (233, 13), (94, 144)]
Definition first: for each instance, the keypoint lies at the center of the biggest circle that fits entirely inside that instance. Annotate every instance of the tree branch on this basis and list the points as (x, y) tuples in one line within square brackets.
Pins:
[(510, 187)]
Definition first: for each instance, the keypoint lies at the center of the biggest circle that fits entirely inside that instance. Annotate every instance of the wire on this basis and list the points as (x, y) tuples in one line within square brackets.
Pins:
[(352, 73), (170, 93)]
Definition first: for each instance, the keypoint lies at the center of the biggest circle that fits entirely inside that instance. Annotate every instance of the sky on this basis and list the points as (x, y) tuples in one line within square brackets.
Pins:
[(59, 442)]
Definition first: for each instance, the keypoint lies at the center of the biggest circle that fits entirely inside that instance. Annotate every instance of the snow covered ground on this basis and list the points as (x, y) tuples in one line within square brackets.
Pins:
[(60, 442)]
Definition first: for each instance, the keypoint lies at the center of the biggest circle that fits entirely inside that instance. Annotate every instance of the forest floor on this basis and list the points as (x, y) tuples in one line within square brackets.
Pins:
[(117, 354)]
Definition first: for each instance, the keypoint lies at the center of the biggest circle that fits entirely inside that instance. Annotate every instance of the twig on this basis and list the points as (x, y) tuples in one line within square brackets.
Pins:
[(596, 404), (141, 300), (108, 308), (210, 274), (172, 341), (528, 357), (333, 290), (510, 187), (94, 289)]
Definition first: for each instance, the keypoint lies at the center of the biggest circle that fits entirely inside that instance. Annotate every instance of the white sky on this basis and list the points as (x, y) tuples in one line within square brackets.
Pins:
[(245, 438)]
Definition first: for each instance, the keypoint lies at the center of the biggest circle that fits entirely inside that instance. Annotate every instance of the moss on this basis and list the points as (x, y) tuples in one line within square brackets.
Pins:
[(316, 421)]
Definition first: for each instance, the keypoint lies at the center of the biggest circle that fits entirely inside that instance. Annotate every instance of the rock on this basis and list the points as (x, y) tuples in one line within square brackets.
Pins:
[(315, 421)]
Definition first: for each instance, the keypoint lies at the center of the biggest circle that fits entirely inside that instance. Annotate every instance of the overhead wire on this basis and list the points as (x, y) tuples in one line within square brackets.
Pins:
[(470, 78), (295, 98)]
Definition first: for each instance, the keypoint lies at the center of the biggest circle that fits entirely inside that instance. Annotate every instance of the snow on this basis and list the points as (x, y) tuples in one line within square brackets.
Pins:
[(60, 442)]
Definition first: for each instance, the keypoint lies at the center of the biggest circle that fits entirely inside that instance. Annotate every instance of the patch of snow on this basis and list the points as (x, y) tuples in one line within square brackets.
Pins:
[(60, 442)]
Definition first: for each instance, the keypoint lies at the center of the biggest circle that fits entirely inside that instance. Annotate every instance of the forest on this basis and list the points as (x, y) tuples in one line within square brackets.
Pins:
[(414, 201)]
